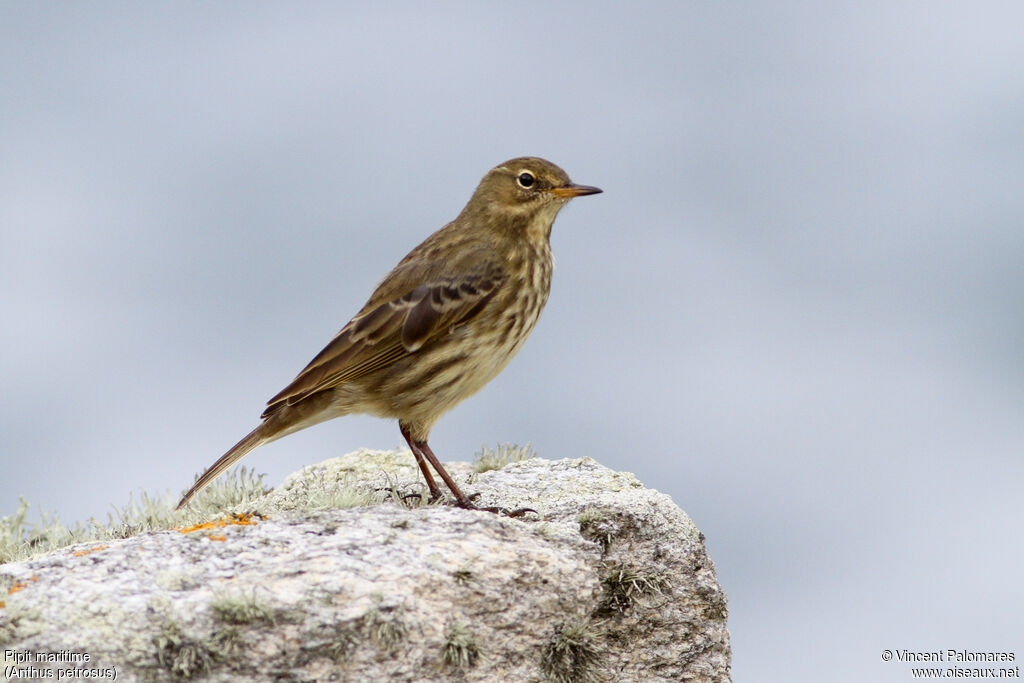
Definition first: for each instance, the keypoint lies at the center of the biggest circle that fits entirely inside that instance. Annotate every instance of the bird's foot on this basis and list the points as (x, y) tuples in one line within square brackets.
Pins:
[(407, 497), (468, 504), (518, 512)]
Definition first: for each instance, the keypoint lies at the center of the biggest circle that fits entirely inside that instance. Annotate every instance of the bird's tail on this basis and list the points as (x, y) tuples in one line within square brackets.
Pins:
[(251, 440)]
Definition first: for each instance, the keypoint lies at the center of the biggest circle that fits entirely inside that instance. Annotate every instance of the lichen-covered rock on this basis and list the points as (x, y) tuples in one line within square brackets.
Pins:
[(610, 581)]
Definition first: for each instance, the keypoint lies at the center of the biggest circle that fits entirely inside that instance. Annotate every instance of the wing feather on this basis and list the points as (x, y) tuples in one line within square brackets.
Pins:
[(392, 330)]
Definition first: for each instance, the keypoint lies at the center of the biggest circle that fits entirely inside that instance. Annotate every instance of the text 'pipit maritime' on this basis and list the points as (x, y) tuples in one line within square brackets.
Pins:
[(441, 325)]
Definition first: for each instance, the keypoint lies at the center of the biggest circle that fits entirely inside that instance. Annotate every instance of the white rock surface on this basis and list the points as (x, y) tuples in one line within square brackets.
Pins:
[(609, 582)]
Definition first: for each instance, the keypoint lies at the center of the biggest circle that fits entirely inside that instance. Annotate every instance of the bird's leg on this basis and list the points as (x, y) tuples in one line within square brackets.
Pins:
[(462, 498), (424, 455), (435, 490)]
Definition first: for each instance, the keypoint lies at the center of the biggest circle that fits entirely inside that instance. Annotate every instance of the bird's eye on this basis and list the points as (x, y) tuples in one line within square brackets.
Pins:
[(526, 179)]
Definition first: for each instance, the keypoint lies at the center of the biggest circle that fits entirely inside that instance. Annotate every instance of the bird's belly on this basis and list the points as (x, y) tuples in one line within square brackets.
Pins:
[(445, 374)]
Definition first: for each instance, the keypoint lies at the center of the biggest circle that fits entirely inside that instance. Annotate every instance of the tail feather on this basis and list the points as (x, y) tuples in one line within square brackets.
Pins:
[(251, 440)]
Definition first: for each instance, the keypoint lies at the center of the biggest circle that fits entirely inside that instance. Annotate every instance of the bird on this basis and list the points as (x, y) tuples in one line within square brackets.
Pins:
[(441, 325)]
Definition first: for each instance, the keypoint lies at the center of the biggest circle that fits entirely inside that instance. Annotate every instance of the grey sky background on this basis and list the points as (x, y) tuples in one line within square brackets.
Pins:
[(797, 308)]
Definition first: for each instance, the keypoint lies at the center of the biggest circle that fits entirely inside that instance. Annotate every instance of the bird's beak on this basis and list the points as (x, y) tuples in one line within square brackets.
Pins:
[(573, 190)]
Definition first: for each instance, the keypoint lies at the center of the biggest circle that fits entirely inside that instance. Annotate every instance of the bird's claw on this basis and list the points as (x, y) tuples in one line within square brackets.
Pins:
[(518, 512), (504, 512)]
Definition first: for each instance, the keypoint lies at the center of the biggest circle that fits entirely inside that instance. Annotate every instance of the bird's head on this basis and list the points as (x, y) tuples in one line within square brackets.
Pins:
[(523, 193)]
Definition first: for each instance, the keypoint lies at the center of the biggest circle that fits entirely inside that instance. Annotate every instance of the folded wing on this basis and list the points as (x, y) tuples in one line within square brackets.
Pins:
[(382, 334)]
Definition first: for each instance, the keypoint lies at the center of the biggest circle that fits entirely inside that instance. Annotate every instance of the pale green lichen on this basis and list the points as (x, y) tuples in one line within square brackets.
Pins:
[(597, 525), (339, 498), (623, 584), (341, 644), (386, 630), (183, 657), (228, 642), (20, 539), (460, 649), (572, 654), (359, 479), (502, 455), (240, 608), (462, 575), (178, 580), (9, 620)]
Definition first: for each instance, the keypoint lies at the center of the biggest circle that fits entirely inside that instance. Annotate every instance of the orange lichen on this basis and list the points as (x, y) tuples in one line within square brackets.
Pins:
[(87, 551), (18, 585), (233, 520), (217, 538)]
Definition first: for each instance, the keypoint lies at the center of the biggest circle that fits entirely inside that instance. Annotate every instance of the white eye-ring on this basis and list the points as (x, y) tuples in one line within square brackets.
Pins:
[(525, 179)]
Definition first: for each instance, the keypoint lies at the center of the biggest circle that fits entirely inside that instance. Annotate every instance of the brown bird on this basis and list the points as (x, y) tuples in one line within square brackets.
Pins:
[(440, 326)]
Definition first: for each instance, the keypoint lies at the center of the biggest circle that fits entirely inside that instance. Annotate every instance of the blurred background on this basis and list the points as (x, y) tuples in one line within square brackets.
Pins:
[(797, 308)]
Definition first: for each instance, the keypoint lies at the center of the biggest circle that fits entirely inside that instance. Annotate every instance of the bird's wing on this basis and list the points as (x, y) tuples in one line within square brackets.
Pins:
[(383, 333)]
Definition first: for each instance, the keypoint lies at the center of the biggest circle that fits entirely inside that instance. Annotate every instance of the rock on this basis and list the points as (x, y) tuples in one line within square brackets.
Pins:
[(610, 581)]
